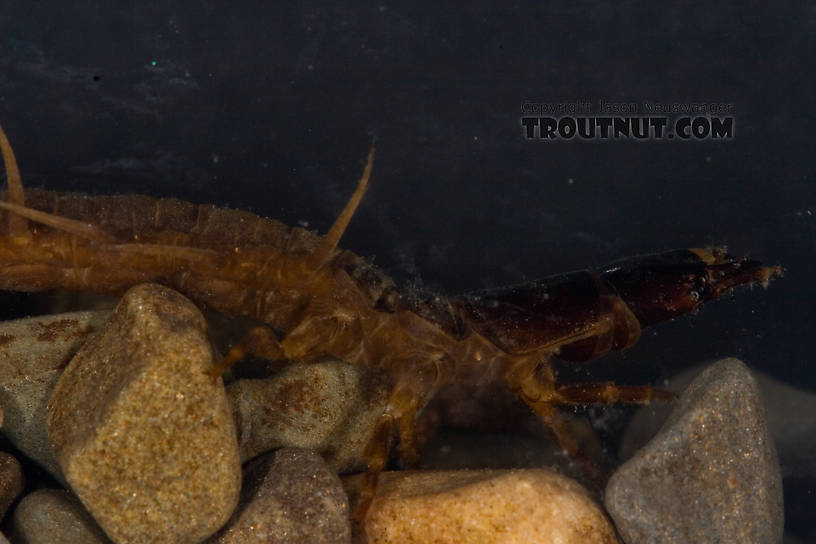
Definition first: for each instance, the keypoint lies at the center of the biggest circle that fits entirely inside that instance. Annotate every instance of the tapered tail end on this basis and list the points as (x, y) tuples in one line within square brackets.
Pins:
[(724, 272), (662, 286)]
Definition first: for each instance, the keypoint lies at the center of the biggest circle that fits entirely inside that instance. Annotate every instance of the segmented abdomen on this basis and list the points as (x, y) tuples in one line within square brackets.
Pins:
[(173, 222), (130, 217)]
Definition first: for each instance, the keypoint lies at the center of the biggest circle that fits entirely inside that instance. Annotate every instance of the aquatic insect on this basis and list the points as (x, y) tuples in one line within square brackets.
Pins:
[(322, 300)]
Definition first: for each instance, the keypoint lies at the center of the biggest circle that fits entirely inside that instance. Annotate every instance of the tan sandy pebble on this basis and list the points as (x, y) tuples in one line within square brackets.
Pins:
[(330, 407), (528, 506), (33, 353), (289, 496), (142, 433), (48, 516)]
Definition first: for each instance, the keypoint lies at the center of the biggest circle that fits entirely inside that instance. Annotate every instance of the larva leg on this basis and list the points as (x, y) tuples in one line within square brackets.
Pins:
[(609, 393), (261, 341), (554, 420), (406, 428), (197, 255), (18, 226), (402, 405), (83, 230), (534, 384), (427, 378), (376, 454)]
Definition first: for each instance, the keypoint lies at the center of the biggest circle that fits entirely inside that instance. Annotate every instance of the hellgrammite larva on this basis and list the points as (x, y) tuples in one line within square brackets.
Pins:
[(315, 299)]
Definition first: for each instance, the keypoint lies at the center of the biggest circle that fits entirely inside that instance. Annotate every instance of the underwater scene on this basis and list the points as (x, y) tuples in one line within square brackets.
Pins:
[(407, 272)]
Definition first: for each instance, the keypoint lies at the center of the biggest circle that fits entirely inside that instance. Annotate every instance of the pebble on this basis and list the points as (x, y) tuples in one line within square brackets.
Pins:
[(529, 506), (788, 409), (47, 516), (290, 496), (142, 434), (33, 353), (710, 475), (12, 481), (330, 407)]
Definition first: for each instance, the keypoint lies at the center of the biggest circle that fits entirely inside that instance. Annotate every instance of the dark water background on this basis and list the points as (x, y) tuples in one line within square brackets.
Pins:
[(272, 108)]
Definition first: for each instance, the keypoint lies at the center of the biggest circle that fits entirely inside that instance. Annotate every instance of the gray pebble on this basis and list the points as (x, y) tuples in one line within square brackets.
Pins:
[(290, 496), (50, 515), (710, 475), (788, 409)]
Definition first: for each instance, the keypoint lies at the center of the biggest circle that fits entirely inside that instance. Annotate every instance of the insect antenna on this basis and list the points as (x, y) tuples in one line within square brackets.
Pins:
[(18, 226), (323, 254), (70, 226)]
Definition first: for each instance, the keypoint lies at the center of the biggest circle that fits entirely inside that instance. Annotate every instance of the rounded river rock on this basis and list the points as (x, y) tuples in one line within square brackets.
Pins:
[(142, 433), (710, 475)]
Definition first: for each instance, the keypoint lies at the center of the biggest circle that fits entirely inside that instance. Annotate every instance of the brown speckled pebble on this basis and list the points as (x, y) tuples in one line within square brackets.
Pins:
[(710, 475), (291, 497), (12, 481), (528, 506), (33, 353), (330, 407), (143, 435), (50, 516)]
